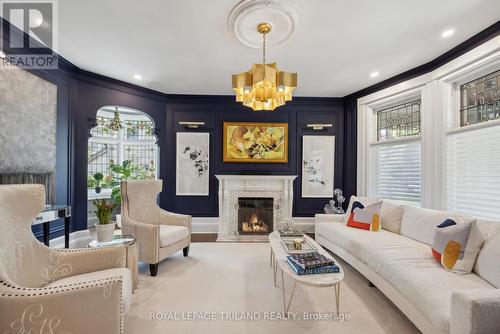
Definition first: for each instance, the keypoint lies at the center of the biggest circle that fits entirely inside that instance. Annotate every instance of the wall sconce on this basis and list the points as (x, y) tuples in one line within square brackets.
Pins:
[(192, 125), (319, 126)]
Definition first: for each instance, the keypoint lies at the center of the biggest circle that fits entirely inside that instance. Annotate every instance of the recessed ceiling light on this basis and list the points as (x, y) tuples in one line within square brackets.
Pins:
[(137, 77), (374, 74), (447, 33), (2, 55)]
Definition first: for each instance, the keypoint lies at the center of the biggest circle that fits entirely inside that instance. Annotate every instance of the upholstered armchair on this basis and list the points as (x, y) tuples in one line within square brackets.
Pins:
[(159, 233), (46, 290)]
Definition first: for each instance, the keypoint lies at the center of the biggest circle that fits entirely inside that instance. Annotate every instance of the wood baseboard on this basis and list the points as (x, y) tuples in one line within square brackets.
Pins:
[(203, 237)]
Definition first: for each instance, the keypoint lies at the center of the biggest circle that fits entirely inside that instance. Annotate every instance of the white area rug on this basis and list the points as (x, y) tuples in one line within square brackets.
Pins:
[(231, 281)]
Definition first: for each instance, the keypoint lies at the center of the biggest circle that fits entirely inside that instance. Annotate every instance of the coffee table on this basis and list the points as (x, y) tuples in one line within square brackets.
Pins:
[(278, 261), (132, 253)]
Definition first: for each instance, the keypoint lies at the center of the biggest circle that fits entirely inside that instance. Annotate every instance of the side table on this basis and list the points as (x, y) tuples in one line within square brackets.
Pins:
[(132, 252)]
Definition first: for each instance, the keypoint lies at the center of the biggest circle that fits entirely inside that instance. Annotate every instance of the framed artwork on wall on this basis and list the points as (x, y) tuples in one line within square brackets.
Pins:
[(192, 166), (255, 142), (318, 161)]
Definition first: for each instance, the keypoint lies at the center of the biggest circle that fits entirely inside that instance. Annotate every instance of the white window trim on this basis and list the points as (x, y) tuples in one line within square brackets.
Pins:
[(438, 116), (367, 137)]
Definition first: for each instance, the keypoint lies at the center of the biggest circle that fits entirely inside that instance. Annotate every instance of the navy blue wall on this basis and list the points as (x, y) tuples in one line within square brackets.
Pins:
[(214, 110)]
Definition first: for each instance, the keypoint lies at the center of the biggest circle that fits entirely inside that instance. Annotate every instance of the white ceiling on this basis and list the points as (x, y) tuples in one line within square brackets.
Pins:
[(185, 47)]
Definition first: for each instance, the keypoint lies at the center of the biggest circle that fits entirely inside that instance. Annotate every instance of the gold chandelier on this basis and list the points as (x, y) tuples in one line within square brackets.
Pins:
[(264, 87)]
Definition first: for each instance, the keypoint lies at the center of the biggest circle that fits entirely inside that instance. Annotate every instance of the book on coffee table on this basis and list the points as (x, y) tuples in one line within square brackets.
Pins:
[(311, 260), (301, 271)]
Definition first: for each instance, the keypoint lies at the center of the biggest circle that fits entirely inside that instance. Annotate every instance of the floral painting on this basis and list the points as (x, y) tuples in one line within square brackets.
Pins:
[(255, 142), (193, 164)]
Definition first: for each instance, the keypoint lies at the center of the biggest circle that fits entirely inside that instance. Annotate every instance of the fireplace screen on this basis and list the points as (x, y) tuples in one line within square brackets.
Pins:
[(255, 215)]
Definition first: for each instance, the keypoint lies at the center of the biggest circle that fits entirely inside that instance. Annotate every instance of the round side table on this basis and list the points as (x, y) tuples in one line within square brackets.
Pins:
[(132, 253)]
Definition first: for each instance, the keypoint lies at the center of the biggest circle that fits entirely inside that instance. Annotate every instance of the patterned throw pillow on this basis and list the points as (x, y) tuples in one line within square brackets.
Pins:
[(366, 218), (456, 246)]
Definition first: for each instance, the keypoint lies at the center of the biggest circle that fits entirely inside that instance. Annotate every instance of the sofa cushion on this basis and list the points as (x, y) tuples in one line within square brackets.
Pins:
[(456, 245), (363, 200), (365, 217), (407, 265), (487, 262), (419, 224), (124, 273), (391, 216), (170, 234)]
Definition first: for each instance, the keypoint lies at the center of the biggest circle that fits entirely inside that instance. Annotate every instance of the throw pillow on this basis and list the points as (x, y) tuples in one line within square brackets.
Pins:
[(456, 246), (365, 217), (364, 200)]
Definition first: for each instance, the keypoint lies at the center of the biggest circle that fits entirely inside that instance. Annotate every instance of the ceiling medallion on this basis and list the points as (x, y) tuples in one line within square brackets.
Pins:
[(283, 15), (264, 87)]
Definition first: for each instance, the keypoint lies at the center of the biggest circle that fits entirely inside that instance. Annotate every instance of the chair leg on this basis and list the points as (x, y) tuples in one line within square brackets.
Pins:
[(185, 250), (153, 269)]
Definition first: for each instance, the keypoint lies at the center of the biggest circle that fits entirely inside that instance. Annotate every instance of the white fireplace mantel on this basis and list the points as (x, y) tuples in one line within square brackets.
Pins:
[(231, 187)]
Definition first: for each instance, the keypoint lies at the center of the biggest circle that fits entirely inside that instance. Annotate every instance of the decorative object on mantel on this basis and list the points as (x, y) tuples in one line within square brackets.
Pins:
[(192, 164), (318, 161), (319, 126), (264, 87), (191, 125), (255, 142), (104, 210)]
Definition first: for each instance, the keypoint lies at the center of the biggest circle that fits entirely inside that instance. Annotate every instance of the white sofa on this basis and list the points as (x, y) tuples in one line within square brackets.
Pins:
[(399, 262)]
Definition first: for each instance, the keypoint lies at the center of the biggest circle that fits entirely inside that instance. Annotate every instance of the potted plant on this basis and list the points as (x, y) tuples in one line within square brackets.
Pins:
[(98, 177), (104, 210)]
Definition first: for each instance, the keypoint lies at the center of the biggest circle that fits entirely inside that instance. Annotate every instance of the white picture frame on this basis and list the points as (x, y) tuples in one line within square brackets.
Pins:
[(192, 164), (318, 166)]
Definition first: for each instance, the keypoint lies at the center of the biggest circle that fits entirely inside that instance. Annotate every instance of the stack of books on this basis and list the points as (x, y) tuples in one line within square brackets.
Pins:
[(311, 263)]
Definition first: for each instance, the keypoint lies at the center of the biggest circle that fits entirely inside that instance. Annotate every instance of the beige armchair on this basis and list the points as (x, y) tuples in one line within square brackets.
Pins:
[(159, 233), (46, 290)]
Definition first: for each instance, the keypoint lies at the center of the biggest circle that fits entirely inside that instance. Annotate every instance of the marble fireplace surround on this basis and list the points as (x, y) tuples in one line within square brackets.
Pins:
[(232, 187)]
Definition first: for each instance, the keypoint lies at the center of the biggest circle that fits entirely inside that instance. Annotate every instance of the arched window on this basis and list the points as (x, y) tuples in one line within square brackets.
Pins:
[(122, 134)]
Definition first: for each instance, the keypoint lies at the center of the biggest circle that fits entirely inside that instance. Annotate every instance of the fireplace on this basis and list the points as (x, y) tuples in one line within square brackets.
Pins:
[(255, 215)]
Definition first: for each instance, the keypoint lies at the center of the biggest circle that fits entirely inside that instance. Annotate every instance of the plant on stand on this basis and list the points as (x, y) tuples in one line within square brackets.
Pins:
[(104, 211)]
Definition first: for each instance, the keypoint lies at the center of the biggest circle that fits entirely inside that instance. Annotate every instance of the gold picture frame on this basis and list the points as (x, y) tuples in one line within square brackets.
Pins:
[(255, 142)]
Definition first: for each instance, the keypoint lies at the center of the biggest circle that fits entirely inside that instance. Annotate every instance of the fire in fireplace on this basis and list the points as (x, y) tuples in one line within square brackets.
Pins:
[(255, 215)]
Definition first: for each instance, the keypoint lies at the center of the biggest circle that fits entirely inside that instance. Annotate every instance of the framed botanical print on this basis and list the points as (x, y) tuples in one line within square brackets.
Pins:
[(318, 161), (192, 165), (255, 142)]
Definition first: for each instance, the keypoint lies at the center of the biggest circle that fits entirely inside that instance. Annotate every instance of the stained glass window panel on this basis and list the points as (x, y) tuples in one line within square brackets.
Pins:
[(398, 121), (480, 100)]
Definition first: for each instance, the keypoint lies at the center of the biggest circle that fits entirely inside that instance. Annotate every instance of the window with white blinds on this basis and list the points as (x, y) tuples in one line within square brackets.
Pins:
[(394, 171), (473, 172)]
